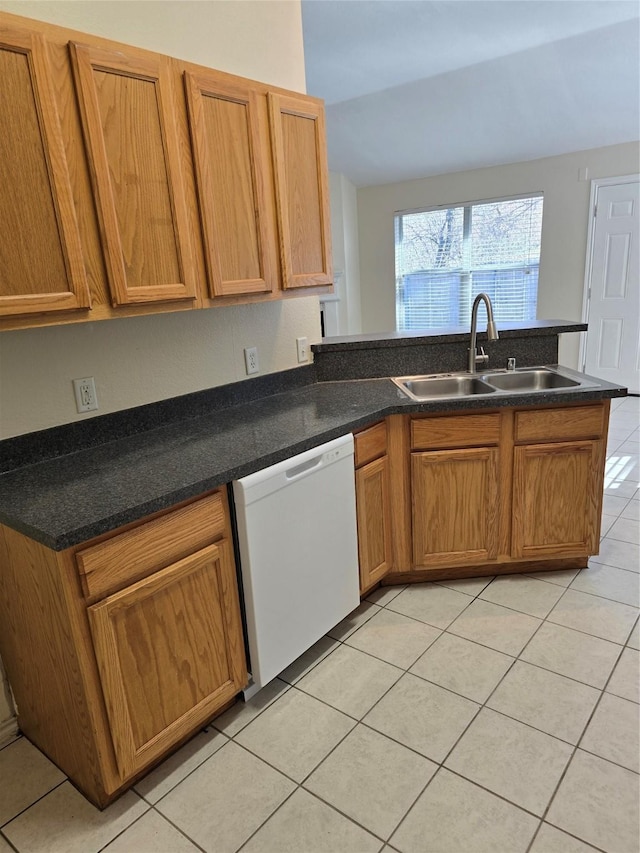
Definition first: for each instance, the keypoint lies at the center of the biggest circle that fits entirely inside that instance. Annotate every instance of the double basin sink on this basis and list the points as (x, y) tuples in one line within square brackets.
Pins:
[(455, 385)]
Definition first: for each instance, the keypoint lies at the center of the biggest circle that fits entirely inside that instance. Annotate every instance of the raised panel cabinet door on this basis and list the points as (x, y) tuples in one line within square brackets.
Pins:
[(230, 139), (299, 146), (455, 506), (170, 653), (41, 259), (129, 122), (557, 498), (374, 522)]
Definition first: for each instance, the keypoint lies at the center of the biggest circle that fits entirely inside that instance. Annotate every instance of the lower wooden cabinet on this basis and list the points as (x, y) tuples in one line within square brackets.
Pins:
[(169, 650), (120, 649), (496, 492), (374, 522), (373, 505), (455, 506), (556, 499)]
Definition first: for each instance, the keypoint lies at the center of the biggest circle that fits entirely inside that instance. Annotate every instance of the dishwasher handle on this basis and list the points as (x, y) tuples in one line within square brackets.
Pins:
[(304, 468)]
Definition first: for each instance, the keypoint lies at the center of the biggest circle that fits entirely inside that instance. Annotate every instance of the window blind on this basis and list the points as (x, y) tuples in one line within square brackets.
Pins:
[(445, 257)]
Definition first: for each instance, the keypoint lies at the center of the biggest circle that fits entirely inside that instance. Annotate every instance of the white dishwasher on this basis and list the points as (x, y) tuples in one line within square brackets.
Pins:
[(298, 544)]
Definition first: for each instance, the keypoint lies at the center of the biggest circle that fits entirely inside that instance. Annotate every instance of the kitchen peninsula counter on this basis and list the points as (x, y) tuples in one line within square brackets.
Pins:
[(61, 497)]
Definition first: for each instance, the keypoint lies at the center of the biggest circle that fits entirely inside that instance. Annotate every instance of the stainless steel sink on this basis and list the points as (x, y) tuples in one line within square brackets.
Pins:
[(441, 387), (501, 382), (538, 379)]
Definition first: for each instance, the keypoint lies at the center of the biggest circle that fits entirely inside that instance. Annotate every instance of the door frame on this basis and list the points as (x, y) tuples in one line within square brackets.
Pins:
[(596, 183)]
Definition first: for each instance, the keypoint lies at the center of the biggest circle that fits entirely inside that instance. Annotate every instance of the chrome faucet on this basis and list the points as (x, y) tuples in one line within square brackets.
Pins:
[(476, 358)]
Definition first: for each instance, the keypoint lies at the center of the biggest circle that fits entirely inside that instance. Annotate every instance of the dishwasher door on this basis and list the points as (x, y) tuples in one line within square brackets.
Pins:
[(298, 545)]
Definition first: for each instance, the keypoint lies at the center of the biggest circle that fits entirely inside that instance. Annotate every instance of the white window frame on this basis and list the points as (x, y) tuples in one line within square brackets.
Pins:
[(466, 205)]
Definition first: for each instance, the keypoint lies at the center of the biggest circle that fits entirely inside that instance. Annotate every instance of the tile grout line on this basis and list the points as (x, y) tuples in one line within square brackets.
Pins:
[(441, 765), (140, 817), (575, 749), (37, 800), (361, 722), (186, 776), (4, 838), (299, 786)]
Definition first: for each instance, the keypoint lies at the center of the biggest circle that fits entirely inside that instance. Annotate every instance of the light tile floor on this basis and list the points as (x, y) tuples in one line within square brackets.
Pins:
[(497, 715)]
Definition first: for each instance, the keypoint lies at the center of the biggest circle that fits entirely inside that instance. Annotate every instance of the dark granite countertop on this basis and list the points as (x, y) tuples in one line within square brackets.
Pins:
[(70, 498), (377, 340)]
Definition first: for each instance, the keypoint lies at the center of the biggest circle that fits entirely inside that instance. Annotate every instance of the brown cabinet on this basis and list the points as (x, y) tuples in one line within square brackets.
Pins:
[(126, 100), (119, 650), (302, 190), (455, 506), (41, 256), (261, 168), (169, 650), (230, 139), (497, 492), (373, 506), (556, 499), (135, 183), (558, 470), (455, 489)]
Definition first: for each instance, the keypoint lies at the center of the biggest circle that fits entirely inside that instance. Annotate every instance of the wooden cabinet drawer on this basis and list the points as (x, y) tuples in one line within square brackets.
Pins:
[(136, 553), (455, 431), (370, 444), (560, 424)]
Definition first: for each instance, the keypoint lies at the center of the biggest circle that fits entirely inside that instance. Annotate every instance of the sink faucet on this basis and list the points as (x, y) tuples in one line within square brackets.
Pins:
[(492, 333)]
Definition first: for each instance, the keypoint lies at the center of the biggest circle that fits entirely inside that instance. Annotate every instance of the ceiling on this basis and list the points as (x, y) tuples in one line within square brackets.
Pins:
[(424, 87)]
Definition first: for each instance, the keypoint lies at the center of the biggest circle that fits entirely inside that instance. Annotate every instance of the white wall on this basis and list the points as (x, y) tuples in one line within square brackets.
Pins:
[(260, 39), (346, 260), (564, 229), (141, 360)]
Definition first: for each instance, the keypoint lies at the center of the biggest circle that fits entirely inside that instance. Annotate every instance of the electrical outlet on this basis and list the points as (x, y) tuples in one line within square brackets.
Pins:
[(85, 391), (303, 350), (251, 360)]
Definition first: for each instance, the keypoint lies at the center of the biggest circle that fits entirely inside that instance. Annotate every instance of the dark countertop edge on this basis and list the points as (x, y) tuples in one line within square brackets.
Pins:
[(377, 340), (225, 475)]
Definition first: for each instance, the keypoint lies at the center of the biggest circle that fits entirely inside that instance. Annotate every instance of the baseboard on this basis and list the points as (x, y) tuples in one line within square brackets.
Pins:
[(8, 730)]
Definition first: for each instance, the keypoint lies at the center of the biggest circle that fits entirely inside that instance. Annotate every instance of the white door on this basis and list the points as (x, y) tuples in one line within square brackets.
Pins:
[(613, 339)]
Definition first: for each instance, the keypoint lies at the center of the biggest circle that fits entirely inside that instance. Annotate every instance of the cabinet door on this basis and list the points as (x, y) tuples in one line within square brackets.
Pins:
[(556, 499), (129, 122), (41, 262), (374, 522), (455, 506), (302, 190), (170, 653), (230, 138)]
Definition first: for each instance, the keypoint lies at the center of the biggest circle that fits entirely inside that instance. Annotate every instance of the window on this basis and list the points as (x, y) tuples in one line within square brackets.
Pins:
[(446, 256)]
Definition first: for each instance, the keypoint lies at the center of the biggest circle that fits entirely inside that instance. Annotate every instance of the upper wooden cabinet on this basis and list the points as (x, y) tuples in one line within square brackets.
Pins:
[(230, 139), (136, 183), (127, 105), (302, 192), (41, 256)]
